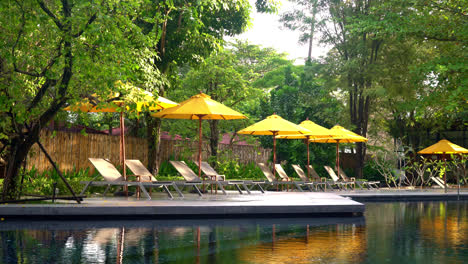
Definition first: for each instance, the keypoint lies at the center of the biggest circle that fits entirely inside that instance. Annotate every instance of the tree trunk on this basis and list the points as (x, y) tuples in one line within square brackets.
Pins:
[(153, 136), (19, 150), (214, 138)]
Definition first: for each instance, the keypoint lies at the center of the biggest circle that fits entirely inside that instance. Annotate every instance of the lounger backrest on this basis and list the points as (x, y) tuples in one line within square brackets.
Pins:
[(438, 181), (185, 171), (139, 169), (279, 169), (342, 174), (313, 173), (107, 170), (208, 170), (268, 174), (331, 173), (300, 172)]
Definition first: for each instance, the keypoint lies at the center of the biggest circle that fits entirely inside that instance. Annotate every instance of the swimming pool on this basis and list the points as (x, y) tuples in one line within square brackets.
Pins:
[(416, 232)]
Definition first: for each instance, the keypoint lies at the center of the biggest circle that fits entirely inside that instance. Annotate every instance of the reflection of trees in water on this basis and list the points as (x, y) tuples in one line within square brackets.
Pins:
[(397, 231), (405, 231)]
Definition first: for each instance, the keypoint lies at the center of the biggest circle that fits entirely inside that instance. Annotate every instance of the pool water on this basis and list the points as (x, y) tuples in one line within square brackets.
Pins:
[(423, 232)]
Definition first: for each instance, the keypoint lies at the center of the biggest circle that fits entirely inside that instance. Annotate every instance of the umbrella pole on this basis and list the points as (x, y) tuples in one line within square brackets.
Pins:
[(308, 159), (122, 150), (445, 172), (199, 145), (274, 152), (338, 157)]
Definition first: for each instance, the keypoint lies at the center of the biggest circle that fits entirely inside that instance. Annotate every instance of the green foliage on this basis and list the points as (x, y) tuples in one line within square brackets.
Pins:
[(41, 183)]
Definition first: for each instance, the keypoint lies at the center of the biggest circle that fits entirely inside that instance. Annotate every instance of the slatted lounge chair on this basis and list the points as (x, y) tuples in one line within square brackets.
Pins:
[(209, 171), (316, 183), (270, 177), (279, 169), (440, 182), (317, 178), (342, 185), (112, 177), (191, 178), (361, 184), (139, 170)]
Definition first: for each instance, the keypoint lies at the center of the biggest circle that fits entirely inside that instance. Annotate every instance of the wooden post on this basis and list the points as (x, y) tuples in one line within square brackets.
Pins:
[(338, 157), (274, 152), (58, 171), (308, 158), (445, 172)]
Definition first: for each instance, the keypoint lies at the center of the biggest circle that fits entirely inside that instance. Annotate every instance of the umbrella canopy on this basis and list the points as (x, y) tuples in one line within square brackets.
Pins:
[(444, 147), (316, 132), (119, 102), (200, 107), (274, 125), (340, 135)]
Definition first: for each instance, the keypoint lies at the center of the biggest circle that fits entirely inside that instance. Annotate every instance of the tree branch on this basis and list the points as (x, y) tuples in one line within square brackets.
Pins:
[(50, 14), (91, 20)]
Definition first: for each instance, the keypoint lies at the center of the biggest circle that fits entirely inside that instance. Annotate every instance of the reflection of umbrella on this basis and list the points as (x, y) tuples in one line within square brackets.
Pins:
[(274, 125), (200, 106), (340, 135), (444, 147), (117, 103), (316, 132)]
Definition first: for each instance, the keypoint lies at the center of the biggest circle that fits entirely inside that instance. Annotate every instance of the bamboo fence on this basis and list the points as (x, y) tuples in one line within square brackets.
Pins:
[(72, 150)]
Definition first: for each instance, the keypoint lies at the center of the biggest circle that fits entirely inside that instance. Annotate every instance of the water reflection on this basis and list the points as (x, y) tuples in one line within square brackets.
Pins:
[(391, 232)]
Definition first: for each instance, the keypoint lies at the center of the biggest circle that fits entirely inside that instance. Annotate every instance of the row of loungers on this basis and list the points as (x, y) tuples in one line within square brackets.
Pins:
[(144, 179)]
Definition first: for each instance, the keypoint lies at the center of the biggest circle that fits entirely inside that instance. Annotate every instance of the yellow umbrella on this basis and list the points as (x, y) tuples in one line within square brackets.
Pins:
[(340, 135), (200, 107), (116, 102), (316, 132), (274, 125), (444, 147)]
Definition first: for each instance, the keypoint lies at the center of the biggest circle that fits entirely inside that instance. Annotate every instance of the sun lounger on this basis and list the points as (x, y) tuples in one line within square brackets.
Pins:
[(139, 170), (279, 169), (361, 184), (112, 177), (209, 171), (191, 178), (440, 182), (270, 177), (316, 183), (342, 185)]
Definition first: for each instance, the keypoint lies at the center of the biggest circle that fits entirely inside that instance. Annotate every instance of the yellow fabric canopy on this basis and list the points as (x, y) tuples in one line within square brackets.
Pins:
[(143, 100), (316, 131), (443, 147), (200, 106), (340, 134), (274, 125)]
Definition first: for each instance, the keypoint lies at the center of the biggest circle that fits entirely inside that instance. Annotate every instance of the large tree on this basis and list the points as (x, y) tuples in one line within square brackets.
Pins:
[(53, 52)]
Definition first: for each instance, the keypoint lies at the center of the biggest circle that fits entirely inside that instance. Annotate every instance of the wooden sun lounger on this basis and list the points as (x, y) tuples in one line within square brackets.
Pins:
[(342, 185), (316, 183), (113, 177), (271, 178), (209, 171), (139, 170), (192, 179), (368, 184), (279, 169)]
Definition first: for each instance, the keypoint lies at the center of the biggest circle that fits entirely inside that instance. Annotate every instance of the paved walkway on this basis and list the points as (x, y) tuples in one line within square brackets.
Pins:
[(271, 204)]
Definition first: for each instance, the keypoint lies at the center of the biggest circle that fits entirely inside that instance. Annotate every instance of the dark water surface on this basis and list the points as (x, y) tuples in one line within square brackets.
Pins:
[(425, 232)]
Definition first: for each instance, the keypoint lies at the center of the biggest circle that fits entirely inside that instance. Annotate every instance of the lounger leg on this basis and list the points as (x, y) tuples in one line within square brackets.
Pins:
[(260, 187), (221, 187), (197, 189), (167, 191), (238, 188), (308, 187), (246, 188), (298, 187), (85, 188), (107, 189), (177, 190), (142, 188)]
